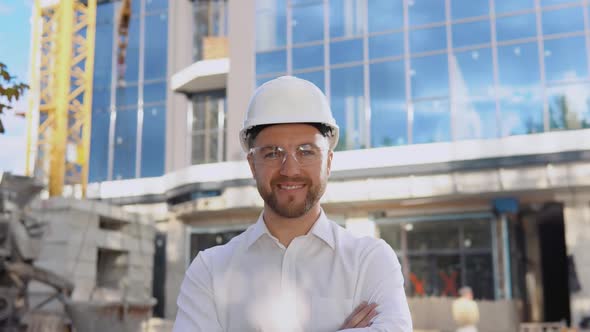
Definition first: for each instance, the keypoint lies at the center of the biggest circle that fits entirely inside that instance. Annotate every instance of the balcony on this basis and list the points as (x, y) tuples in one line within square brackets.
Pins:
[(208, 74)]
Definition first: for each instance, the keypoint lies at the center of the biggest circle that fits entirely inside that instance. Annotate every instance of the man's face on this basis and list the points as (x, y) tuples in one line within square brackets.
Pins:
[(287, 187)]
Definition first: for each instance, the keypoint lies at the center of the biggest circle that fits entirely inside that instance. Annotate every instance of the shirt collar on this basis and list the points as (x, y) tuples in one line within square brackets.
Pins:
[(321, 228), (258, 229)]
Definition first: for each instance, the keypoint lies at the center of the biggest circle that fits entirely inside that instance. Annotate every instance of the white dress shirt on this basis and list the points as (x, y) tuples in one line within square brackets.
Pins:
[(254, 283)]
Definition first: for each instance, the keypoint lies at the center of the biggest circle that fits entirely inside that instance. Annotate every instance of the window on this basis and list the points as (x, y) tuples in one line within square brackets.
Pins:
[(569, 106), (432, 122), (518, 66), (346, 51), (111, 268), (347, 18), (156, 37), (563, 20), (120, 154), (385, 15), (475, 119), (565, 59), (473, 74), (381, 46), (129, 72), (430, 76), (154, 92), (388, 104), (104, 14), (522, 112), (426, 11), (125, 145), (271, 62), (554, 2), (153, 141), (506, 6), (474, 108), (424, 40), (101, 98), (521, 105), (444, 255), (307, 57), (516, 27), (102, 54), (210, 31), (271, 24), (127, 96), (156, 5), (308, 22), (201, 240), (99, 146), (348, 106), (208, 132), (469, 8), (471, 33)]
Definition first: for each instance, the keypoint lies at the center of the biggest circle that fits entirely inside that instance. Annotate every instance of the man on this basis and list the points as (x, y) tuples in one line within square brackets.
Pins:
[(465, 311), (295, 269)]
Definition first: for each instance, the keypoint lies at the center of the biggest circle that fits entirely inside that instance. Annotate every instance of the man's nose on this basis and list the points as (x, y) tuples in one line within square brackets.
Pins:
[(290, 165)]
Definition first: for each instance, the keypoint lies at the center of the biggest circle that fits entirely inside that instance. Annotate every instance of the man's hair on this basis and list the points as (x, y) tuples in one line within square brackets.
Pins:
[(253, 132)]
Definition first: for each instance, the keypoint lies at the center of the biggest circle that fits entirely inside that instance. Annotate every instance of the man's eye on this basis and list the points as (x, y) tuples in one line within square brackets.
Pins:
[(272, 155), (307, 153)]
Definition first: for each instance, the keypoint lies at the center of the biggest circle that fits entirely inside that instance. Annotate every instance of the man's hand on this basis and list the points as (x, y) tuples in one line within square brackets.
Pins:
[(361, 316)]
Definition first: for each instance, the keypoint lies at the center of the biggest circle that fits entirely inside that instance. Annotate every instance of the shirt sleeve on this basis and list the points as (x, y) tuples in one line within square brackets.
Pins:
[(196, 304), (382, 282)]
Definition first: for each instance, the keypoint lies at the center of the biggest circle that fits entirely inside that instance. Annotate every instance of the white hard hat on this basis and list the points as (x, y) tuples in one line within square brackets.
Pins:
[(288, 99)]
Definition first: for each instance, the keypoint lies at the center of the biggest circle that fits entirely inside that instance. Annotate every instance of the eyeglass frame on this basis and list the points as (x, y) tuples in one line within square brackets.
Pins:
[(293, 154)]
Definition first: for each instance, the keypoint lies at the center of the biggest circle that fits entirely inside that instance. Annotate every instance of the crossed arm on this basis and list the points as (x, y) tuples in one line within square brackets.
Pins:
[(384, 308), (382, 287)]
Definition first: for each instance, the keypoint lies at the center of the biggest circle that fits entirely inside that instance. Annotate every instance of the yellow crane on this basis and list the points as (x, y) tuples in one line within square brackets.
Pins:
[(60, 102), (62, 62)]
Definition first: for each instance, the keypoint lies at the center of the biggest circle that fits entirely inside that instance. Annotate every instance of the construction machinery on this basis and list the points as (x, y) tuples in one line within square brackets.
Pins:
[(20, 244)]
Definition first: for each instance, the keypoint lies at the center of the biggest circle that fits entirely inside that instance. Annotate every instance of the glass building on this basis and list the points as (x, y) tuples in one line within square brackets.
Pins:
[(465, 132), (426, 71), (422, 71), (129, 100)]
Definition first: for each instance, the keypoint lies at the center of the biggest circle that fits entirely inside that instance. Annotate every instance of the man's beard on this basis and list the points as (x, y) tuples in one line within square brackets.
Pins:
[(291, 209)]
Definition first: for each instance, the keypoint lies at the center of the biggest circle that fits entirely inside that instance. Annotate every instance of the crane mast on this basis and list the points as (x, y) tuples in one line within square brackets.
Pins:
[(59, 117)]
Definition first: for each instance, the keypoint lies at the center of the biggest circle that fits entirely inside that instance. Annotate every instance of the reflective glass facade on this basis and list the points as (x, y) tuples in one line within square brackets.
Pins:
[(403, 72), (129, 101)]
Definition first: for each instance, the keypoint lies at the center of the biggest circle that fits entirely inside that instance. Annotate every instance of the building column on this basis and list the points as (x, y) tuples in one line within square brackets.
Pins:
[(576, 213), (180, 55), (241, 77)]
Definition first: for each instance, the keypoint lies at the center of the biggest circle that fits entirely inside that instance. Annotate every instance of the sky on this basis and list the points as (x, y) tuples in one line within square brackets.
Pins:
[(15, 34)]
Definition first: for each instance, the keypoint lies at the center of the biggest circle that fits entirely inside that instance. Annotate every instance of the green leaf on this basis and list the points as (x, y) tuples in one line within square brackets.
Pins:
[(5, 75)]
